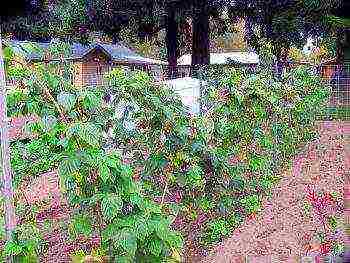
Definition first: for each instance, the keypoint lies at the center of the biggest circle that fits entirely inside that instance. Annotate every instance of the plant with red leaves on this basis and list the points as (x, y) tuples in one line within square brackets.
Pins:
[(321, 206), (325, 248)]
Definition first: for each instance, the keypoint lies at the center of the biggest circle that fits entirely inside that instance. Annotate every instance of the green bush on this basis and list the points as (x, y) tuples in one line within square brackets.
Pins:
[(216, 230), (253, 118), (221, 163), (99, 187)]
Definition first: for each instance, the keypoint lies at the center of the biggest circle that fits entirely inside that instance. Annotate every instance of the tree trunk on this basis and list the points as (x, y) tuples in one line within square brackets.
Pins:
[(10, 217), (281, 62), (347, 45), (340, 47), (171, 41), (200, 36), (146, 27), (115, 38)]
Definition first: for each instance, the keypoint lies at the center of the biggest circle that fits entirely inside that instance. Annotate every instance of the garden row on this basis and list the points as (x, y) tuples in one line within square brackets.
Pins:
[(208, 172)]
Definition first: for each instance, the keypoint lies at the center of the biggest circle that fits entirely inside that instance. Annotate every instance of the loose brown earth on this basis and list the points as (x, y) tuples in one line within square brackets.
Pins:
[(281, 231)]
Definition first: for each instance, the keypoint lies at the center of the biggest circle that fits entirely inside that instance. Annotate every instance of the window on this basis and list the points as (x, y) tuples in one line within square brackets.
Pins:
[(92, 79)]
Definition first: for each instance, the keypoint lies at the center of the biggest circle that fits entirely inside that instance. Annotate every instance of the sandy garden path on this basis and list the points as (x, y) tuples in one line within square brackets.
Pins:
[(282, 230)]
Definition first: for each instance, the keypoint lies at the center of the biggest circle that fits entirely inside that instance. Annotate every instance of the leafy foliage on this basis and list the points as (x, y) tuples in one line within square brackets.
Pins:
[(216, 230), (256, 125), (222, 162), (286, 22), (25, 245), (69, 136)]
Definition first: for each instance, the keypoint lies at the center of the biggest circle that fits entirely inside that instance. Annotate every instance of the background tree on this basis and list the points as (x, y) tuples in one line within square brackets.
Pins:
[(341, 22), (74, 19), (283, 22)]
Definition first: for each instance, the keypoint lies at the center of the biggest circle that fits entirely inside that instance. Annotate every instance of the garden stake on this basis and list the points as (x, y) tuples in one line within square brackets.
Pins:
[(10, 216)]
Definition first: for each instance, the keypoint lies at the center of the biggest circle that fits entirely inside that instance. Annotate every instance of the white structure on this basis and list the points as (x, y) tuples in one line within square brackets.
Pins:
[(309, 46), (225, 58), (189, 91), (150, 61)]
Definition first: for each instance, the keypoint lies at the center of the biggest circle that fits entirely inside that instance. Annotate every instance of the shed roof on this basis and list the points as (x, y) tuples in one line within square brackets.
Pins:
[(225, 58), (117, 52)]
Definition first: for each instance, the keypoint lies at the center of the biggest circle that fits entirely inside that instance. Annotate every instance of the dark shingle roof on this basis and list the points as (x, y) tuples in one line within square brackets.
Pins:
[(114, 51)]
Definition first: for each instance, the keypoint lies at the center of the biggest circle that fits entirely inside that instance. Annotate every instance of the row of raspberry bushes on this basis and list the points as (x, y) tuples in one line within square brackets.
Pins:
[(105, 200), (213, 168), (220, 164)]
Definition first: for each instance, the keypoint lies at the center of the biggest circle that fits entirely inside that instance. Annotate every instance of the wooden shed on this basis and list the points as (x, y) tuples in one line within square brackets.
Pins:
[(90, 62)]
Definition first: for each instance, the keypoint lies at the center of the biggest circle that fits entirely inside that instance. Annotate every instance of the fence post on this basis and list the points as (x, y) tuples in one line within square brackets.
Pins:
[(7, 190)]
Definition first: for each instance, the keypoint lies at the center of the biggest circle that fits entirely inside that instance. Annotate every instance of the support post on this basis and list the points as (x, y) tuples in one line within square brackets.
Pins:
[(171, 41), (7, 189)]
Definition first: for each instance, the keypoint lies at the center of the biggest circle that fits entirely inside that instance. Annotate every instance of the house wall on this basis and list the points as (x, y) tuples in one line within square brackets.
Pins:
[(93, 68), (78, 73)]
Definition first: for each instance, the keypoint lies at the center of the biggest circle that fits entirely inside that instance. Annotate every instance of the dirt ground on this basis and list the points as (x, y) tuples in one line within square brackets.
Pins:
[(282, 231)]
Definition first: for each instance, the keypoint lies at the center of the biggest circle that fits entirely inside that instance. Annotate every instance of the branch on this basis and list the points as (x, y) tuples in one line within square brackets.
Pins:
[(46, 92), (51, 98), (164, 192)]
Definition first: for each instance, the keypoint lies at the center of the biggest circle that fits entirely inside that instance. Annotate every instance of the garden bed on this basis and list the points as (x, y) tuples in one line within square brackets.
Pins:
[(285, 230), (208, 180)]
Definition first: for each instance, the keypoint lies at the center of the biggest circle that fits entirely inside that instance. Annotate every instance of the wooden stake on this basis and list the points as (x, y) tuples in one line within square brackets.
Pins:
[(7, 191)]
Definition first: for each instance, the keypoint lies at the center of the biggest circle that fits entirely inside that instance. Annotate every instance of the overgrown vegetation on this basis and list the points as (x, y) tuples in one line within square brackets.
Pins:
[(108, 201), (208, 171)]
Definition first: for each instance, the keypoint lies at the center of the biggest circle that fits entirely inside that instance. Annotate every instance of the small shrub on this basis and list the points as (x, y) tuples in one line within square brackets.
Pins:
[(215, 231)]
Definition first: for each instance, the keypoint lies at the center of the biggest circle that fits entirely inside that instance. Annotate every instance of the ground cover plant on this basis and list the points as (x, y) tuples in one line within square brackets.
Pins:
[(201, 175), (323, 207)]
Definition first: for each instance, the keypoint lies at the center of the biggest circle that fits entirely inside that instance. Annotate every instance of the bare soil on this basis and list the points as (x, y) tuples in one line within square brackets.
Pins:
[(283, 231)]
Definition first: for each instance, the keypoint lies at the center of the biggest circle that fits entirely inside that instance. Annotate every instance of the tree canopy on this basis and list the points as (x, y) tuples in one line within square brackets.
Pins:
[(284, 22), (281, 22)]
